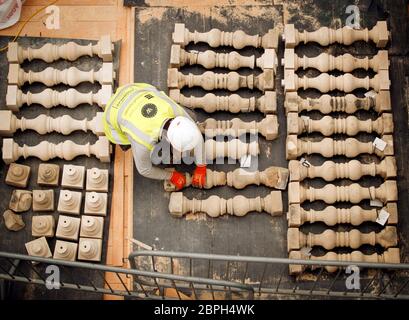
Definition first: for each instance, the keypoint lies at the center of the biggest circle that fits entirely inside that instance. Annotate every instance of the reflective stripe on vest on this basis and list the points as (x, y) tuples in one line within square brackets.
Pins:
[(114, 133), (122, 120), (112, 129), (177, 110), (142, 116), (126, 124), (110, 103)]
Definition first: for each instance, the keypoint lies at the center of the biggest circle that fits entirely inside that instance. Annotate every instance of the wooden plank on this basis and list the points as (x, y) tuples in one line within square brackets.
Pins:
[(72, 13), (115, 284), (208, 3), (68, 30), (72, 3), (129, 159), (124, 214), (128, 214), (129, 167), (126, 50), (128, 217), (117, 217)]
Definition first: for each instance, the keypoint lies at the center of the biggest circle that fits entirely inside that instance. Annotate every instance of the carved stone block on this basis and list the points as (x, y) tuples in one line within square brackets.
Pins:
[(66, 150), (50, 98), (51, 76), (73, 176), (233, 149), (354, 193), (65, 250), (233, 103), (43, 200), (268, 60), (331, 216), (69, 51), (231, 81), (326, 62), (92, 227), (48, 174), (13, 221), (326, 82), (96, 203), (44, 124), (329, 148), (18, 175), (90, 249), (328, 125), (97, 180), (43, 226), (325, 36), (39, 248), (21, 200), (268, 127), (215, 38), (388, 256), (68, 228), (353, 170), (209, 59), (273, 177), (330, 239), (215, 206), (69, 202), (380, 102)]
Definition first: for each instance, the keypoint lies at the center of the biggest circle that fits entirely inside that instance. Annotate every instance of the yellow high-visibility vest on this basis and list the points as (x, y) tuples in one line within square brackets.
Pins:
[(139, 111)]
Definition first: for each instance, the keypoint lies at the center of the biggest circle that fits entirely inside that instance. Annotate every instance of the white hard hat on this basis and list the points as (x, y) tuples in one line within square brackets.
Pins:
[(183, 134), (10, 11)]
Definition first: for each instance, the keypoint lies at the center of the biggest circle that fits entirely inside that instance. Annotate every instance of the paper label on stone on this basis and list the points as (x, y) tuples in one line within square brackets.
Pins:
[(379, 144), (383, 217), (305, 162), (306, 251), (370, 94), (245, 161), (376, 203)]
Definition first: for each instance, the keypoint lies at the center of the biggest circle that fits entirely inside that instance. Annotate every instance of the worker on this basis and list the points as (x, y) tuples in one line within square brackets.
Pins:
[(140, 116)]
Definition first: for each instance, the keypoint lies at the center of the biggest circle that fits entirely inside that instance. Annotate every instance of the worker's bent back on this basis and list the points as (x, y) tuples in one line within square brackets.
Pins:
[(138, 111)]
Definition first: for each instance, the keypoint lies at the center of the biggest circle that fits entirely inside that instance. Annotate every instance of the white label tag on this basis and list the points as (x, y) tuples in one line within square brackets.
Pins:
[(245, 161), (370, 94), (379, 144), (382, 217), (306, 251), (376, 203), (305, 162)]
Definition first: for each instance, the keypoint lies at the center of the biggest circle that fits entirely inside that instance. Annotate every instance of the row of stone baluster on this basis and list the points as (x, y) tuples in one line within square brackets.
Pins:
[(43, 124), (383, 207), (231, 81)]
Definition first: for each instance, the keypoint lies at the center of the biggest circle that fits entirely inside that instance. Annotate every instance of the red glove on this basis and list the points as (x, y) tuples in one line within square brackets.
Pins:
[(178, 180), (199, 176)]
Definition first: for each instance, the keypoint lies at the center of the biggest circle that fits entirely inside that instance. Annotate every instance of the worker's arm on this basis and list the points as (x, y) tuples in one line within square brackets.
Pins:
[(143, 163)]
